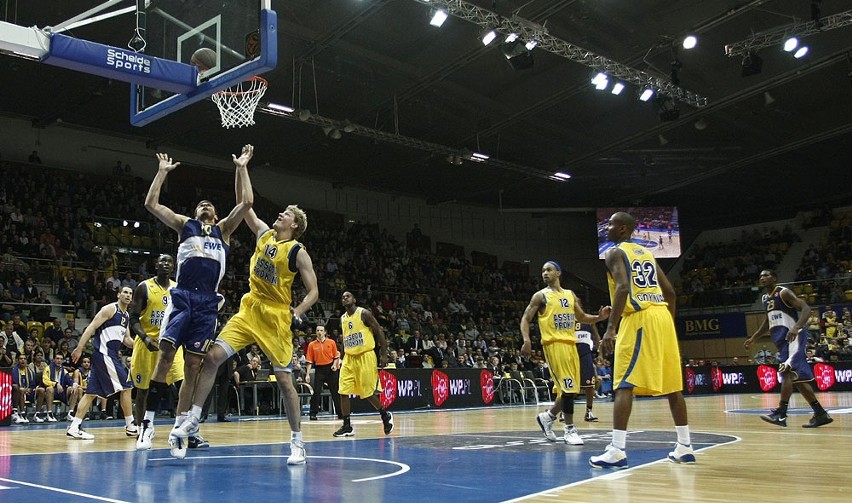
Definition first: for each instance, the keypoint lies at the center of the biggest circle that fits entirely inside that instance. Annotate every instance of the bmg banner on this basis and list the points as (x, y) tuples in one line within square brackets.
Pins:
[(711, 326)]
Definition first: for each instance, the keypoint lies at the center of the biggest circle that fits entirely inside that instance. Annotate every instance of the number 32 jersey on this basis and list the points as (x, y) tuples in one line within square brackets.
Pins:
[(644, 290)]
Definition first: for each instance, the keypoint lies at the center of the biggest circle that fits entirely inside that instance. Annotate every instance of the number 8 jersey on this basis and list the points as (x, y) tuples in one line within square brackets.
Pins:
[(641, 268)]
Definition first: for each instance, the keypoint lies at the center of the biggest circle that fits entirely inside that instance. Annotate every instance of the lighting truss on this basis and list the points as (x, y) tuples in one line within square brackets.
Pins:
[(528, 30), (404, 141), (777, 36)]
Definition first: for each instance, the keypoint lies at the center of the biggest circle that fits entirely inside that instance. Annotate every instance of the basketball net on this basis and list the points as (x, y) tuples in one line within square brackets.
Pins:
[(237, 103)]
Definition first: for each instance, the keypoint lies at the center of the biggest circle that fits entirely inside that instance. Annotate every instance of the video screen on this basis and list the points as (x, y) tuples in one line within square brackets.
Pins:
[(657, 229)]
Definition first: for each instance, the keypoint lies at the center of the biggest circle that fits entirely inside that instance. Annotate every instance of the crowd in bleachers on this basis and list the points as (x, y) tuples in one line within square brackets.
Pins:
[(720, 274)]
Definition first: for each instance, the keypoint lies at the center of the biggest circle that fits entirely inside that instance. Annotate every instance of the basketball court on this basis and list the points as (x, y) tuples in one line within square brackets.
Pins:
[(493, 454)]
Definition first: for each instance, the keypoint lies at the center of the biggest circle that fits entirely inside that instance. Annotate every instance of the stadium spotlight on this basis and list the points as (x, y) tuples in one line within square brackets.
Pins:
[(790, 44), (600, 81), (488, 36), (438, 18), (124, 223), (518, 56), (690, 42), (531, 44), (801, 52), (136, 225), (647, 94), (617, 88), (511, 37)]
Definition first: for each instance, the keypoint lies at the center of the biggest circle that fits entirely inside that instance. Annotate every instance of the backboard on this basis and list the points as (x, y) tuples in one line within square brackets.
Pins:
[(243, 33)]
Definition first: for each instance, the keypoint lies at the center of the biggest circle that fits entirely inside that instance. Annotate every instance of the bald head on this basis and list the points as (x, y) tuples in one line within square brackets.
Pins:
[(622, 218)]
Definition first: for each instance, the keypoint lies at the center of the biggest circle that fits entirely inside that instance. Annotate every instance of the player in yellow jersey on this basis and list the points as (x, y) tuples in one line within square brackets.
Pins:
[(359, 374), (147, 310), (558, 311), (647, 358), (265, 315)]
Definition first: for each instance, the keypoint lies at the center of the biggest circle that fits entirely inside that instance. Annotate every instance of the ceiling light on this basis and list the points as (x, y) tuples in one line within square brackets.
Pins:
[(646, 95), (489, 37), (476, 156), (800, 52), (511, 37), (790, 44), (438, 18), (304, 114), (598, 77), (517, 55), (602, 84), (617, 88), (561, 175), (690, 42), (531, 44), (700, 124)]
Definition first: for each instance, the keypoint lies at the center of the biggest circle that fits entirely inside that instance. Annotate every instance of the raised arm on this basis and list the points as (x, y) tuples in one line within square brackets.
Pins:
[(530, 312), (309, 280), (152, 201), (103, 315), (244, 193)]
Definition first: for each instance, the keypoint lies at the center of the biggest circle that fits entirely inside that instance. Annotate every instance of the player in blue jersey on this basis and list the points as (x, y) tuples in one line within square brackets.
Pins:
[(786, 315), (107, 375), (190, 319)]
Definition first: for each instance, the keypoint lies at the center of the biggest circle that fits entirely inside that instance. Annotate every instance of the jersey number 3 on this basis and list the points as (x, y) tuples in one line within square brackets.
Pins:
[(644, 274)]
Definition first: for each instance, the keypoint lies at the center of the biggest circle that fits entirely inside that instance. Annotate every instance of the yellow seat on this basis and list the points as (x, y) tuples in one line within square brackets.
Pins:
[(37, 325), (848, 295), (808, 288), (798, 289)]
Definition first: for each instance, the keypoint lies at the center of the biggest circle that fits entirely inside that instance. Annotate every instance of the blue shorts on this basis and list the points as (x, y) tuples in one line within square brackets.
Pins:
[(107, 376), (799, 360), (587, 365), (190, 320)]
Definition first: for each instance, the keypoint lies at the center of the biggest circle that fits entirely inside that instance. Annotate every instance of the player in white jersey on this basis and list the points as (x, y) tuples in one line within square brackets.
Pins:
[(190, 319), (587, 339)]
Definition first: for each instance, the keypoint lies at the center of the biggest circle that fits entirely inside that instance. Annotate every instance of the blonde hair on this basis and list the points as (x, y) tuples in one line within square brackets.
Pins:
[(301, 219)]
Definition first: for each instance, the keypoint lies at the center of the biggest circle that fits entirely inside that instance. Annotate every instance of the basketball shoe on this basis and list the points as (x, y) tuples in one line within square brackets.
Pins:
[(571, 436), (146, 436), (387, 421), (345, 431), (682, 454), (613, 457), (297, 453), (775, 418), (590, 417), (818, 421), (78, 434), (545, 422)]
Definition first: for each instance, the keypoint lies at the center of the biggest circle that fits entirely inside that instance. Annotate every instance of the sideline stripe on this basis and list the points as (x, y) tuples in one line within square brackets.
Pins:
[(63, 491)]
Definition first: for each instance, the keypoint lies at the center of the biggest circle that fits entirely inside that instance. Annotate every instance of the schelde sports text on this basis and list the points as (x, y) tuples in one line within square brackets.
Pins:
[(120, 59)]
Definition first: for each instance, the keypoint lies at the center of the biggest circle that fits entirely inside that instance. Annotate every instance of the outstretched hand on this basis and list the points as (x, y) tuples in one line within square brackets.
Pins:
[(245, 156), (166, 163)]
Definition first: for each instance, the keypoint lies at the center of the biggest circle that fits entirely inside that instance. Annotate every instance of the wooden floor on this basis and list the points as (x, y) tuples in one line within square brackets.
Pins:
[(492, 454)]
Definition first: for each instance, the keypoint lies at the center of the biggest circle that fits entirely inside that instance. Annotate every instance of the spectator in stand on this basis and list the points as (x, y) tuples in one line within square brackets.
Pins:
[(6, 358), (41, 307), (68, 337), (59, 385), (24, 389), (38, 368), (829, 319), (814, 332)]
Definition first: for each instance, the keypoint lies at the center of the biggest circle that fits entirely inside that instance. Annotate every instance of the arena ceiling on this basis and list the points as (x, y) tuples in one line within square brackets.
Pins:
[(762, 147)]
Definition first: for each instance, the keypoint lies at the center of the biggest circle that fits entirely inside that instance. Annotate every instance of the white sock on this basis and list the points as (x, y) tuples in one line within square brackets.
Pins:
[(619, 439), (128, 420), (195, 410), (149, 416), (683, 435), (296, 436), (75, 423), (179, 419)]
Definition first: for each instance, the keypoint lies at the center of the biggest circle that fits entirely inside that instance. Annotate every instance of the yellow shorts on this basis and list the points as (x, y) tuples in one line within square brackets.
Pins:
[(647, 356), (266, 324), (359, 375), (142, 364), (564, 366)]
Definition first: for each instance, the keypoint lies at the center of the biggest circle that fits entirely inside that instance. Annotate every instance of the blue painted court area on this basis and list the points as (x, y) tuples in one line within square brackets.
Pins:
[(458, 468)]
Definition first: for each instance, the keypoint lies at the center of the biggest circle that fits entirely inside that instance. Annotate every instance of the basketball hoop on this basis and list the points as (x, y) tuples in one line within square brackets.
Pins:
[(237, 103)]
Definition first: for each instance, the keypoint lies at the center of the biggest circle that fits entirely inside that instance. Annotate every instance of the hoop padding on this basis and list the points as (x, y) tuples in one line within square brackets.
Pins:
[(238, 103)]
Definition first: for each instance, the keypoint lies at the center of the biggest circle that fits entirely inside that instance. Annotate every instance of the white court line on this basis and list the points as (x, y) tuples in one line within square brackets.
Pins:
[(63, 491), (613, 475), (402, 466)]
